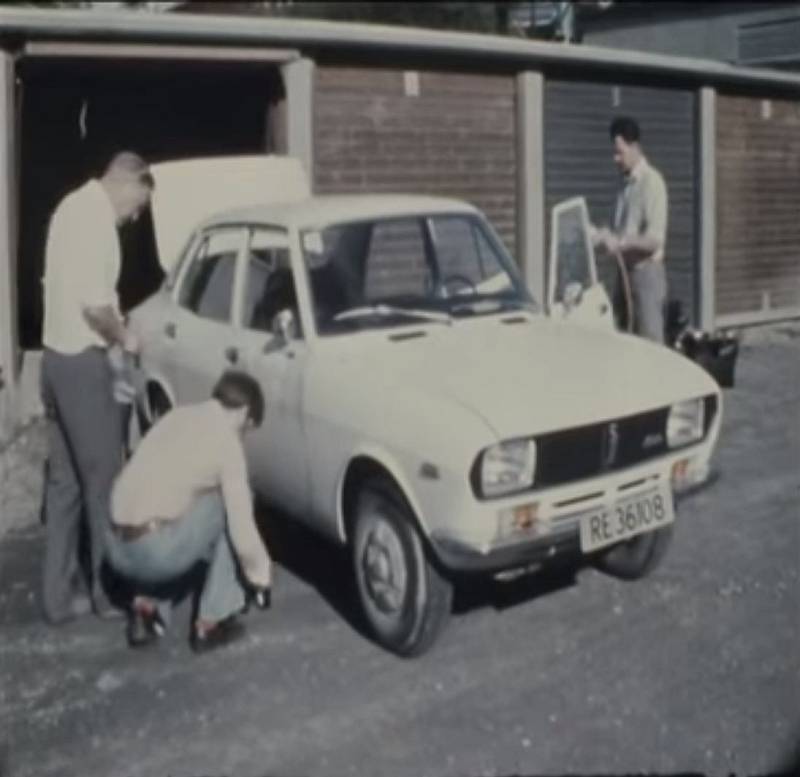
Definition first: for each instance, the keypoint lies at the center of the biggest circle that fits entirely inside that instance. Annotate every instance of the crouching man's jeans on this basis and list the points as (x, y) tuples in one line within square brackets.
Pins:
[(157, 561)]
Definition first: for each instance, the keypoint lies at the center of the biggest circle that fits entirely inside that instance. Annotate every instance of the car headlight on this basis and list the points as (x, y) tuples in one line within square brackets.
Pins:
[(507, 467), (685, 423)]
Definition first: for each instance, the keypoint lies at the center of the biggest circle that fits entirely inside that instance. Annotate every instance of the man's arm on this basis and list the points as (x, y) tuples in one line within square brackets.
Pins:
[(253, 557), (106, 322)]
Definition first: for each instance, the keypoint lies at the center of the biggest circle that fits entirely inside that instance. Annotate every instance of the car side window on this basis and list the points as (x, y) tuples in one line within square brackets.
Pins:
[(269, 286), (574, 260), (207, 287), (395, 263)]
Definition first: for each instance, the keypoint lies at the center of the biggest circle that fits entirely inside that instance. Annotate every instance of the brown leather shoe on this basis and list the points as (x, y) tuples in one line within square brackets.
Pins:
[(144, 626), (212, 636)]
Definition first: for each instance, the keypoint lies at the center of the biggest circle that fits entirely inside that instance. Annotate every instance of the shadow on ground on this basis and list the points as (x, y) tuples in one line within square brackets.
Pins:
[(327, 567)]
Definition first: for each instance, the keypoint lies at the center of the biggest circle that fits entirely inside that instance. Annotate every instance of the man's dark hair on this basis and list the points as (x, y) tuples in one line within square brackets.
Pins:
[(237, 389), (626, 127)]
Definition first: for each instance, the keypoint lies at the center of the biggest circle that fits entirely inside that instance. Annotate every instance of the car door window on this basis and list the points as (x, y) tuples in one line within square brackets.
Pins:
[(573, 260), (395, 262), (269, 284), (207, 287)]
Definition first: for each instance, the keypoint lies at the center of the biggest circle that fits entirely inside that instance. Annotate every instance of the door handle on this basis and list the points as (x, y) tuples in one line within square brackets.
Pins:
[(170, 330), (232, 354)]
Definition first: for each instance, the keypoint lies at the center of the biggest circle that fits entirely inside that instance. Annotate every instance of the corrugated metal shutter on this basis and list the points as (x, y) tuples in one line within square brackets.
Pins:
[(578, 161), (449, 134), (777, 40), (758, 205)]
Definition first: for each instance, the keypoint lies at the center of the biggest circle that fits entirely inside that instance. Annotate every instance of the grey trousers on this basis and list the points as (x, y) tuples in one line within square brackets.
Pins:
[(648, 282), (157, 563), (649, 291), (85, 455)]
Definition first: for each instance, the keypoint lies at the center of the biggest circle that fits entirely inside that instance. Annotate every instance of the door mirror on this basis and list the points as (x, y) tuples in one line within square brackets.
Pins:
[(572, 295), (284, 327)]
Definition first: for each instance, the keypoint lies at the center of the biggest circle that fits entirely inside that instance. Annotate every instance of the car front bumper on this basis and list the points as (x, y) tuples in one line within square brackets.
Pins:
[(554, 534)]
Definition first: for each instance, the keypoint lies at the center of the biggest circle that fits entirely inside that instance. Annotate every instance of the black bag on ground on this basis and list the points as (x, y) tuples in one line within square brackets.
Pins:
[(716, 352)]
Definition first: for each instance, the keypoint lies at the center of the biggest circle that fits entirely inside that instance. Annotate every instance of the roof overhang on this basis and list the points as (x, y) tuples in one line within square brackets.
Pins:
[(112, 25)]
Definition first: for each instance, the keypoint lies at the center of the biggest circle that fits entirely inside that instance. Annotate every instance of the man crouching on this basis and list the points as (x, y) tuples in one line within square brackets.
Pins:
[(182, 499)]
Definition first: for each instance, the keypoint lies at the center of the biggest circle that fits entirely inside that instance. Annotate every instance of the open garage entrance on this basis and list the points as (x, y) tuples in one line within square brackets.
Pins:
[(76, 111)]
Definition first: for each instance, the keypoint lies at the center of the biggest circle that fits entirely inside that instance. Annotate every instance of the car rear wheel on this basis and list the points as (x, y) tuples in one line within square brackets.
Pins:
[(405, 599), (637, 557)]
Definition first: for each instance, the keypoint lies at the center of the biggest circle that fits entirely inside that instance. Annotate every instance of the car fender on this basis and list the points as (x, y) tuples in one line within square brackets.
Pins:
[(386, 460)]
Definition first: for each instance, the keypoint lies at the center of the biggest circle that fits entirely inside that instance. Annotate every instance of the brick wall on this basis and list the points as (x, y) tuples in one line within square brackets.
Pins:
[(758, 204), (454, 139)]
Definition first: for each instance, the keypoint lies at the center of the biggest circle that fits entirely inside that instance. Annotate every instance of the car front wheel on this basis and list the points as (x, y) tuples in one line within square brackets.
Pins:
[(405, 599), (637, 557)]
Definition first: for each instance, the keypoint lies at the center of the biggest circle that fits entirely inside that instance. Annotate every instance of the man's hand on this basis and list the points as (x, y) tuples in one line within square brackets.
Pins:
[(130, 343), (612, 243)]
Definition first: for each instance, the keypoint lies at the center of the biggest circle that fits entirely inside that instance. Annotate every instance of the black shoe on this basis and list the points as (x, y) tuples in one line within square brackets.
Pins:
[(260, 598), (217, 636), (143, 628)]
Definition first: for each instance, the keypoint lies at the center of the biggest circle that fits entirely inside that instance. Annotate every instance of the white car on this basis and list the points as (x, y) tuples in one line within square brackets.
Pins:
[(422, 408)]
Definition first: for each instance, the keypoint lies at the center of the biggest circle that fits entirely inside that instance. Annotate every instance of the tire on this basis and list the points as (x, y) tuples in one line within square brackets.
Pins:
[(158, 405), (406, 601), (636, 558)]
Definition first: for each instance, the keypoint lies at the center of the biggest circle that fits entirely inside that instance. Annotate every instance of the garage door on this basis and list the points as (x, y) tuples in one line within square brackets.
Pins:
[(578, 161), (448, 134), (758, 208)]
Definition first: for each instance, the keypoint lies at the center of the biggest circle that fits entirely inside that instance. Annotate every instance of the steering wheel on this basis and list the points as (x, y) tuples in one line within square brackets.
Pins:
[(456, 278)]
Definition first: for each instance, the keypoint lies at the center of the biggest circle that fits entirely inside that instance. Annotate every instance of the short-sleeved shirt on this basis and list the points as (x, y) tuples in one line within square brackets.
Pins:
[(641, 207), (82, 263), (193, 449)]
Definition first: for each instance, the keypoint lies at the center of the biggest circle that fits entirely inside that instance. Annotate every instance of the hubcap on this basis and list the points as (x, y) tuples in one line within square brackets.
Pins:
[(384, 568)]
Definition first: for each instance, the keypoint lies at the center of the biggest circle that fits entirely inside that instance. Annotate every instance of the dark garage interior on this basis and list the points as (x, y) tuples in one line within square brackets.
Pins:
[(76, 113)]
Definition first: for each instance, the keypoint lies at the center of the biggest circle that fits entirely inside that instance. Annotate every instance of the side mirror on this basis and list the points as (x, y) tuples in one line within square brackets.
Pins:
[(284, 326), (572, 295)]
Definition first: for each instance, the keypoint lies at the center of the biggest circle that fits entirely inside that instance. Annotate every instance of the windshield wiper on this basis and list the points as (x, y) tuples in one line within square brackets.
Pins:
[(386, 311), (488, 306)]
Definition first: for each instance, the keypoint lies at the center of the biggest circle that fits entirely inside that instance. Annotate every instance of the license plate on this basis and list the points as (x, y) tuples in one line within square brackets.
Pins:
[(626, 518)]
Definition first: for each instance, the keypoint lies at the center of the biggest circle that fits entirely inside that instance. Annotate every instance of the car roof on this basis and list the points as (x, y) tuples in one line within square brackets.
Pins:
[(337, 208)]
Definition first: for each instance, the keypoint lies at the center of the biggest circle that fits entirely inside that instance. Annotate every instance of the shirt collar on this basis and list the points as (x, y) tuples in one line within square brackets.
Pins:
[(638, 170)]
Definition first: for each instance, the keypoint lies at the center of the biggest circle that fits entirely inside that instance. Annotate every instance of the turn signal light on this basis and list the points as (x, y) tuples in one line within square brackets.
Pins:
[(524, 516), (679, 470)]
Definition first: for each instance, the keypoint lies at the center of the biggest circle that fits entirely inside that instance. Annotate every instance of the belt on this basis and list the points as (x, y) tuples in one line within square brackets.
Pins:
[(130, 533)]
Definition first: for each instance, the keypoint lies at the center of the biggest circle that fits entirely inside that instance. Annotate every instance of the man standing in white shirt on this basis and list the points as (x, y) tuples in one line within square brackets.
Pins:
[(639, 228), (81, 321)]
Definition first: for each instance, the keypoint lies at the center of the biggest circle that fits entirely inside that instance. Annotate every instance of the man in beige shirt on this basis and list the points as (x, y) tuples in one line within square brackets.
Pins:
[(183, 499), (639, 231)]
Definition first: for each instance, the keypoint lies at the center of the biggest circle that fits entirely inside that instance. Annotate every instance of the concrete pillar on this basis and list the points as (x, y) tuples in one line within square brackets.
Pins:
[(530, 183), (706, 315), (298, 79), (8, 249)]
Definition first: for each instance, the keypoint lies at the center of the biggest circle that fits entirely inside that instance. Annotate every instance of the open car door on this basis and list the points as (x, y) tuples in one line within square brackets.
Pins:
[(574, 292)]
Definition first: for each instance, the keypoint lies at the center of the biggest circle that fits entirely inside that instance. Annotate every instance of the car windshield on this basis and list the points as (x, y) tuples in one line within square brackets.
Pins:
[(431, 269)]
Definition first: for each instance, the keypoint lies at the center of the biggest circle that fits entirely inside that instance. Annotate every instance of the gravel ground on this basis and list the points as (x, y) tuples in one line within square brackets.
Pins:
[(695, 669)]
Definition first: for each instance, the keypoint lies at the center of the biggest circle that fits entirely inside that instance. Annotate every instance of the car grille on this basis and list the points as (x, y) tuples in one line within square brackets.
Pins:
[(583, 452)]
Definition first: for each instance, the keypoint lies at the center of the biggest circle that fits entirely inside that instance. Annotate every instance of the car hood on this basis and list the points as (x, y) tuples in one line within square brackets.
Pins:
[(536, 375), (188, 191)]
